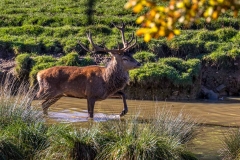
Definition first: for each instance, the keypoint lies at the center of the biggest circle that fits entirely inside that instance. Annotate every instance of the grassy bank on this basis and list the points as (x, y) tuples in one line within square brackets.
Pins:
[(25, 135), (40, 28)]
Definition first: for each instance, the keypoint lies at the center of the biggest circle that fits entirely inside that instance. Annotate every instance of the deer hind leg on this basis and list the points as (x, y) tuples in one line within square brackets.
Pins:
[(48, 102), (125, 109), (91, 103)]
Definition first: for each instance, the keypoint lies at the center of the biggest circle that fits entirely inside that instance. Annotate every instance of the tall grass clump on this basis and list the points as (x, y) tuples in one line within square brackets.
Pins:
[(180, 125), (231, 145), (29, 138), (22, 131), (159, 137), (8, 150), (68, 142), (15, 103)]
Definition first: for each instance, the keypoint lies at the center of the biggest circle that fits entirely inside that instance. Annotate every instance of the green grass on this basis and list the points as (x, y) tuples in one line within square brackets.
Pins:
[(176, 70), (53, 27), (231, 145), (224, 56), (144, 57)]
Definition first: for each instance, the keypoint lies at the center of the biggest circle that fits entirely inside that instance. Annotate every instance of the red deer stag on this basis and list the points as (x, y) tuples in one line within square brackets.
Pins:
[(94, 82)]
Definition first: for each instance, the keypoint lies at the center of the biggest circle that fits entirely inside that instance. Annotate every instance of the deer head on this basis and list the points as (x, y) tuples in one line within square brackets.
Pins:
[(123, 56)]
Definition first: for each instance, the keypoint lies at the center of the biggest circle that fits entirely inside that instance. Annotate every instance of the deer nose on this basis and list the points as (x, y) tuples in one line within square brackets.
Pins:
[(138, 64)]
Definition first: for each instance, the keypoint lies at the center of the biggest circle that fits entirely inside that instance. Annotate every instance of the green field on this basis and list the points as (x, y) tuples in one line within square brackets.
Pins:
[(50, 28)]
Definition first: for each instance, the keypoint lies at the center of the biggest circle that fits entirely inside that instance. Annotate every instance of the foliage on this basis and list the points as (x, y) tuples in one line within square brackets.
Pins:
[(225, 34), (8, 150), (144, 57), (23, 65), (156, 138), (70, 59), (178, 71), (28, 138), (231, 145), (224, 55), (19, 107), (160, 21), (86, 61)]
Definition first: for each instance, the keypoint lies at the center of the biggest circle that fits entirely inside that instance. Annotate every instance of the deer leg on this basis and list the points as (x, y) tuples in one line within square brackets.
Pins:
[(91, 103), (48, 102), (125, 109)]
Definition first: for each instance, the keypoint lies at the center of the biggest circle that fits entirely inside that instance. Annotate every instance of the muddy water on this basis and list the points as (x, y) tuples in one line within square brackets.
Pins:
[(217, 116)]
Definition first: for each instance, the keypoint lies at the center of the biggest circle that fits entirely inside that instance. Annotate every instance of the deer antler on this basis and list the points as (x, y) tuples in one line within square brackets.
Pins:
[(97, 48), (119, 51), (122, 30)]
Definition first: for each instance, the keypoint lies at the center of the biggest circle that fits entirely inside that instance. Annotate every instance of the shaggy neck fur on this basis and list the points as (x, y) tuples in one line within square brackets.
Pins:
[(116, 77)]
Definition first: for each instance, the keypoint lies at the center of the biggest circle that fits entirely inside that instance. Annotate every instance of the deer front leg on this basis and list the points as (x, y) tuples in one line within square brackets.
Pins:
[(125, 109), (91, 103)]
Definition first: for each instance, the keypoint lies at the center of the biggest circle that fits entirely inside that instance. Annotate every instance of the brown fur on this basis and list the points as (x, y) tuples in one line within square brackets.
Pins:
[(92, 82)]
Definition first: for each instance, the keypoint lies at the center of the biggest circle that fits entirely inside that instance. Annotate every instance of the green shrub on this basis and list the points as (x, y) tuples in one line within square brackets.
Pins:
[(211, 46), (224, 56), (144, 56), (43, 59), (72, 143), (178, 71), (86, 61), (70, 59), (33, 30), (236, 38), (206, 35), (225, 34), (23, 65), (187, 48), (9, 150)]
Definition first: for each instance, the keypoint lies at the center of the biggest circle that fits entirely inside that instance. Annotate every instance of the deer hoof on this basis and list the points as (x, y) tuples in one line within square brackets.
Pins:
[(90, 115), (45, 112), (123, 113)]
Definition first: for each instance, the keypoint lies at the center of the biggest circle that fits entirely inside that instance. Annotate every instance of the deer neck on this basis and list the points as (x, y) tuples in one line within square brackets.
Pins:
[(116, 77)]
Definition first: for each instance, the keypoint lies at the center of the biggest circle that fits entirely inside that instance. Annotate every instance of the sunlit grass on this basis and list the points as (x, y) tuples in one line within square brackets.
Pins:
[(15, 102), (231, 145)]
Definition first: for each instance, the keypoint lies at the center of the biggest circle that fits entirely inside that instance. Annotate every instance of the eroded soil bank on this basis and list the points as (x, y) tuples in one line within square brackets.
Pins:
[(213, 83)]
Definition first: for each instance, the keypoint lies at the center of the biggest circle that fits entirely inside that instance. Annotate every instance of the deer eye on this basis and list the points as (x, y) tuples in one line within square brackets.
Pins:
[(125, 59)]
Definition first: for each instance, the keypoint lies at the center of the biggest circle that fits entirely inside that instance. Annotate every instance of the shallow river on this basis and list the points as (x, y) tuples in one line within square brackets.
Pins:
[(217, 116)]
